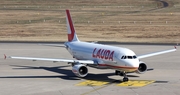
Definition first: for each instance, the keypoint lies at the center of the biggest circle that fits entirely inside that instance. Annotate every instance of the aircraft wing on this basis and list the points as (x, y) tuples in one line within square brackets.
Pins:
[(52, 60), (54, 45), (156, 53)]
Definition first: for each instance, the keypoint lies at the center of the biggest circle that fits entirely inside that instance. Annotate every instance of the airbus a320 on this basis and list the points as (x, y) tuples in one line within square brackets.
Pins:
[(122, 60)]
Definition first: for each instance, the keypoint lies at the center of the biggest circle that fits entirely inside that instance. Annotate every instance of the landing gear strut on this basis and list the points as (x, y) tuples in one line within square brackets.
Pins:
[(125, 77), (122, 74)]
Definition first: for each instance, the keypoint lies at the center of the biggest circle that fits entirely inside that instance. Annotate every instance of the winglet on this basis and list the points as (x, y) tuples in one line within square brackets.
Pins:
[(5, 56)]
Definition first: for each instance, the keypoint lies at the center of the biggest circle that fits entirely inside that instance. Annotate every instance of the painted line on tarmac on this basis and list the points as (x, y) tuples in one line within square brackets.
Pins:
[(102, 84), (136, 83), (130, 83), (92, 83)]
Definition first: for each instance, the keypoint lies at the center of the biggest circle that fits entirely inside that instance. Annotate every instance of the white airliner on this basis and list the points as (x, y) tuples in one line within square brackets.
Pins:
[(122, 60)]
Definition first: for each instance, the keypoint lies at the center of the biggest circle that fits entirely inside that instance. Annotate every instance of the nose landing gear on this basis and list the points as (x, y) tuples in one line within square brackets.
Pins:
[(122, 74), (125, 77)]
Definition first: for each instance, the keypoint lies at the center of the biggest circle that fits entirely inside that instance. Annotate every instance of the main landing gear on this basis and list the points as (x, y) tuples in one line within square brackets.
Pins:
[(122, 74)]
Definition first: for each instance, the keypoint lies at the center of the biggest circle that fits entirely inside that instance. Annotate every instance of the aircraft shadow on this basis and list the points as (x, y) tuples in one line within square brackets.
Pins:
[(67, 74)]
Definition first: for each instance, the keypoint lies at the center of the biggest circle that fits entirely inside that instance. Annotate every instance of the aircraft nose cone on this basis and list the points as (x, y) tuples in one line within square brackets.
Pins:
[(133, 63)]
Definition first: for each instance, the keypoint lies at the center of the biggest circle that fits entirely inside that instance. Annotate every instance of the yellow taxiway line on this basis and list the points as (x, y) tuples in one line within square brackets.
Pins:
[(92, 83), (136, 83), (130, 83)]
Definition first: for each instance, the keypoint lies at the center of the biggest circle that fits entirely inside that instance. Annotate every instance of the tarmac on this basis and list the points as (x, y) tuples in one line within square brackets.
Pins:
[(25, 77)]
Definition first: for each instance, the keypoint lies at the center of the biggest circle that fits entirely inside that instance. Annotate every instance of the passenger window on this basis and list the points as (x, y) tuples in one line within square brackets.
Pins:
[(124, 57)]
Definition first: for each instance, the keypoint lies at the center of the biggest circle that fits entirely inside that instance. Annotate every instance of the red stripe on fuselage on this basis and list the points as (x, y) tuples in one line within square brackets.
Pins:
[(70, 36), (119, 67)]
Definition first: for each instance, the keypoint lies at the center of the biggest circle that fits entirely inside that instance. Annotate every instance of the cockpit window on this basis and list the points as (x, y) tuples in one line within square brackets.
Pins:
[(134, 57), (122, 57), (128, 57)]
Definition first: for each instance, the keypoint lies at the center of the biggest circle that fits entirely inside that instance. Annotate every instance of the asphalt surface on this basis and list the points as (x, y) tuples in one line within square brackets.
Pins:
[(24, 77)]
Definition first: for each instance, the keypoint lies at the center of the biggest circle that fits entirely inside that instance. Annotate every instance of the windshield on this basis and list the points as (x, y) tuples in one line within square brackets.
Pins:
[(128, 57)]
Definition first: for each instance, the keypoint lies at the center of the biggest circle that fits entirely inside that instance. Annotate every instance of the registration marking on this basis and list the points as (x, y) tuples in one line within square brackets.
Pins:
[(136, 83)]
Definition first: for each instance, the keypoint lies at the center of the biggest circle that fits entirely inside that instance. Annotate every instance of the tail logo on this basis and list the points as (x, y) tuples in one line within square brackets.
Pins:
[(71, 31)]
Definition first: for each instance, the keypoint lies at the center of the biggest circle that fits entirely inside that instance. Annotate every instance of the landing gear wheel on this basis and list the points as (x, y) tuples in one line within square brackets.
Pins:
[(125, 79)]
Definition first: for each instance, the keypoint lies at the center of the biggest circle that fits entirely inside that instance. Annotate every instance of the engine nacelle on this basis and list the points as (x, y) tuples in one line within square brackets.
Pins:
[(80, 70), (142, 68)]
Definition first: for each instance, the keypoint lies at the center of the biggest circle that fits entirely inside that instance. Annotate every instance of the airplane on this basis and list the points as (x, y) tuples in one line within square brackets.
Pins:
[(100, 56)]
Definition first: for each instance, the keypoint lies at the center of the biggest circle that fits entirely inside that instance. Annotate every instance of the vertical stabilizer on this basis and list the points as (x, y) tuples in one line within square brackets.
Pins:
[(70, 28)]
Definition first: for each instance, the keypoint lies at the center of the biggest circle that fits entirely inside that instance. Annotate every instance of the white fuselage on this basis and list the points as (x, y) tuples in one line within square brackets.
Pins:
[(104, 56)]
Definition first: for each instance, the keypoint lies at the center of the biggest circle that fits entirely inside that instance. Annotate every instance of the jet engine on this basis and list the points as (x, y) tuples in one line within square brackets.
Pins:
[(80, 70), (142, 68)]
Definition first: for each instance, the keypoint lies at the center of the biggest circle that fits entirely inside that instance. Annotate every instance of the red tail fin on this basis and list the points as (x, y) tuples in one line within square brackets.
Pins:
[(70, 28)]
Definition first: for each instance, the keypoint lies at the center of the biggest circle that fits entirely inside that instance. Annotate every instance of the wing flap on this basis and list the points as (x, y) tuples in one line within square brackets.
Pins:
[(53, 60)]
